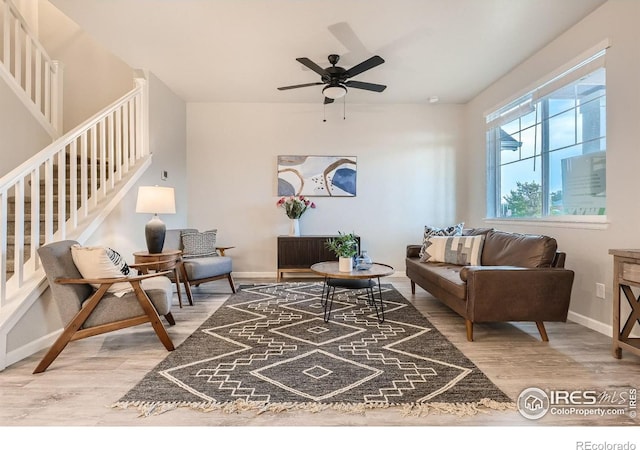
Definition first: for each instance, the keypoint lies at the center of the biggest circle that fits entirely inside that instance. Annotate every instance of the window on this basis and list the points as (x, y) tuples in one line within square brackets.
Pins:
[(547, 149)]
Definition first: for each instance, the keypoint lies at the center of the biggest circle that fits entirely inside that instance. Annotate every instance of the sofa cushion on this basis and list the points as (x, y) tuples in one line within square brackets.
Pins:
[(454, 230), (460, 250), (198, 245), (446, 276), (521, 250)]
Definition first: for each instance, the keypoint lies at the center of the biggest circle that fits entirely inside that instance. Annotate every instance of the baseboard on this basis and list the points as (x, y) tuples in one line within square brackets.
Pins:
[(31, 348), (600, 327), (274, 275)]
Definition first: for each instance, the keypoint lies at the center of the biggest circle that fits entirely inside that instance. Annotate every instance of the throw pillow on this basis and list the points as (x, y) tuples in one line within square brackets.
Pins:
[(101, 262), (460, 250), (454, 230), (198, 245)]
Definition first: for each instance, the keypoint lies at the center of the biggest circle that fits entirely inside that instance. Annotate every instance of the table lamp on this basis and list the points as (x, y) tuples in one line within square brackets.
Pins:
[(155, 200)]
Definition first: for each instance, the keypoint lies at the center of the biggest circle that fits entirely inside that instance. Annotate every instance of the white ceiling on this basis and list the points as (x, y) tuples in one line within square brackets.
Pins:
[(242, 50)]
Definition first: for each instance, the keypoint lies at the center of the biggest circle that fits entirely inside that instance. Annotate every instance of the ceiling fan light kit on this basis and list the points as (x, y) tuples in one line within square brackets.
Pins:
[(334, 92)]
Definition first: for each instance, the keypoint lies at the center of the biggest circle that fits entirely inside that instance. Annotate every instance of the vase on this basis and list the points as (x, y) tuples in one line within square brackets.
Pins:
[(363, 261), (345, 264), (294, 227)]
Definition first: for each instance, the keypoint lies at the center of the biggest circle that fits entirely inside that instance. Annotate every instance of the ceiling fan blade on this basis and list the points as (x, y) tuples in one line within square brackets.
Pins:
[(364, 65), (328, 100), (284, 88), (366, 86), (313, 66)]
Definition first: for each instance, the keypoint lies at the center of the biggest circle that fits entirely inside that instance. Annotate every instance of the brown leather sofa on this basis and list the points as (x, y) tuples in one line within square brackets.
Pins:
[(522, 278)]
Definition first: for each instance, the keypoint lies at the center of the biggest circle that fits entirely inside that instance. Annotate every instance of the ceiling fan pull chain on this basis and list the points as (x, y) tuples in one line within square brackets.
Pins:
[(344, 108), (324, 112)]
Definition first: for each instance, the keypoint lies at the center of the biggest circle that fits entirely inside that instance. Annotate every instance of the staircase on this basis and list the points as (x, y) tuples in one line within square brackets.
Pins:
[(77, 180)]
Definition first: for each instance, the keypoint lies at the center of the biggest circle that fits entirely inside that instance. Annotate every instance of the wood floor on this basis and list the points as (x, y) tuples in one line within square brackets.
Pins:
[(91, 374)]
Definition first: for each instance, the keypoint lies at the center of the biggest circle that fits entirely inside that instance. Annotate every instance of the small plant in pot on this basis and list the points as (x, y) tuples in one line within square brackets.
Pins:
[(345, 246)]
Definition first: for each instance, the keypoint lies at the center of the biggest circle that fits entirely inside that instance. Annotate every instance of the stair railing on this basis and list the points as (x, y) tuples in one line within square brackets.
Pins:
[(48, 196), (28, 69)]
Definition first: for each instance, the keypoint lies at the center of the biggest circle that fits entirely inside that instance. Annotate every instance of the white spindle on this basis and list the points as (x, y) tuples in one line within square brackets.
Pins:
[(118, 140), (73, 182), (111, 151), (27, 67), (84, 181), (131, 132), (35, 212), (62, 195), (125, 138), (17, 53), (18, 235), (94, 165), (47, 91), (103, 157), (38, 80), (48, 200), (6, 38)]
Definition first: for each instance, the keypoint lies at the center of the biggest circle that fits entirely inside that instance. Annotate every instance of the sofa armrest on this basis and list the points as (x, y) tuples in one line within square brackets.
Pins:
[(413, 250), (507, 293)]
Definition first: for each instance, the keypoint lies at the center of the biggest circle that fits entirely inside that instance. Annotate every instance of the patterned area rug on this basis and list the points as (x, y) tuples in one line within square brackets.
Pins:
[(267, 348)]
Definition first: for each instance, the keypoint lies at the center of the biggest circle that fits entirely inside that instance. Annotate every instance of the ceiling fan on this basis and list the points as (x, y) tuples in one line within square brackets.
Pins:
[(337, 79)]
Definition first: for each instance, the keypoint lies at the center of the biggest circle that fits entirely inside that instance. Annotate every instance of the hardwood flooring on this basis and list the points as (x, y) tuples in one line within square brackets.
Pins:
[(93, 373)]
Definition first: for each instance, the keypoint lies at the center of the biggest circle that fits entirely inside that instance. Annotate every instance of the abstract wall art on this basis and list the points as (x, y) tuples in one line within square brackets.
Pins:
[(320, 176)]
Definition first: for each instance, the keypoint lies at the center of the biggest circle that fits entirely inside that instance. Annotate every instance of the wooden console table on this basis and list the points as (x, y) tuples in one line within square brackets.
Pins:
[(299, 253), (626, 274)]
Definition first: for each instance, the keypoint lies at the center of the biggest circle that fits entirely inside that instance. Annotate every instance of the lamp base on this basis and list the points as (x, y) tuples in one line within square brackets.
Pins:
[(154, 232)]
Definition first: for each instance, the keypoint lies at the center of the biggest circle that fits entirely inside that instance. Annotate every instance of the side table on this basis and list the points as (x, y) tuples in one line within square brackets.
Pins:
[(167, 260), (626, 274)]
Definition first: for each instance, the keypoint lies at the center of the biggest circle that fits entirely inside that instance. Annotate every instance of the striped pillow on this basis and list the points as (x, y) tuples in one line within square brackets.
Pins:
[(454, 230), (460, 250)]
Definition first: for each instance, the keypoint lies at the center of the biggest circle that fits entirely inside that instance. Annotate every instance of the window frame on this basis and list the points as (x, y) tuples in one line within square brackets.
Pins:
[(516, 107)]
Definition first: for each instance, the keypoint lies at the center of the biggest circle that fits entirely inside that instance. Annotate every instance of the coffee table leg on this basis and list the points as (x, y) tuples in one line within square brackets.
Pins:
[(328, 304), (381, 302)]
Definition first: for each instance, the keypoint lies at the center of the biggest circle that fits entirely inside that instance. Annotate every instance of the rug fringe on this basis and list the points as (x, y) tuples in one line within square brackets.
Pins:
[(147, 409)]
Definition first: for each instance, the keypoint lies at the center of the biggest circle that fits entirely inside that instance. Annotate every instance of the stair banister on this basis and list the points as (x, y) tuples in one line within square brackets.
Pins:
[(30, 71), (109, 147)]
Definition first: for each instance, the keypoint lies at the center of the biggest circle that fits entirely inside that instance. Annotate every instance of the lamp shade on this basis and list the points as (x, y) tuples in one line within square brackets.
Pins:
[(156, 200)]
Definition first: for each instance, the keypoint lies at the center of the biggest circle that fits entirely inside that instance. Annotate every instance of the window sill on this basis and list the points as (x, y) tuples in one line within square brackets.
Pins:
[(582, 222)]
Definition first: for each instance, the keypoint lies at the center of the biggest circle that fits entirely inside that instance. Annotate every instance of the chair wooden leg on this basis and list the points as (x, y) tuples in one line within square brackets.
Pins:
[(170, 318), (151, 312), (187, 285), (233, 286), (413, 287), (542, 331), (72, 327), (469, 325)]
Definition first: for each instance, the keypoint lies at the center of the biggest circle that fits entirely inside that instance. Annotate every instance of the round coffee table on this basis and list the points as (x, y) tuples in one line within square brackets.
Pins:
[(356, 279)]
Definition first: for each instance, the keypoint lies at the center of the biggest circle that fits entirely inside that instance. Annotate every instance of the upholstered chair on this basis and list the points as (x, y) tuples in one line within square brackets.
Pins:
[(211, 265), (89, 311)]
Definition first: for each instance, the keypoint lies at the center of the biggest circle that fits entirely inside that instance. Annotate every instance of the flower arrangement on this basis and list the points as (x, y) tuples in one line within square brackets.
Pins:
[(294, 206)]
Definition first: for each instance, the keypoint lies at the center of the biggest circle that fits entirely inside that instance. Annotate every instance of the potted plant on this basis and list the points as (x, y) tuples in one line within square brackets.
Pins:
[(345, 246)]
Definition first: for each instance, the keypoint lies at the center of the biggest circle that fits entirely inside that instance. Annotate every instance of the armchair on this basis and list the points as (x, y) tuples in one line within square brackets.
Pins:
[(89, 312), (209, 264)]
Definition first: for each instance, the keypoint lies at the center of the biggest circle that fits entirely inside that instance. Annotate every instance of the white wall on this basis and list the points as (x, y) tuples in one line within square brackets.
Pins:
[(407, 157), (93, 77), (21, 135), (587, 249)]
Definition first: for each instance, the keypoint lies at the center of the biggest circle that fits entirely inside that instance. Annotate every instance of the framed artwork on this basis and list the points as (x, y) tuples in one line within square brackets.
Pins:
[(319, 176)]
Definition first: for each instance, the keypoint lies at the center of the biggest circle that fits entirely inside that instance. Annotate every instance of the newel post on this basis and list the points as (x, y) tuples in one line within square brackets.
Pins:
[(142, 114)]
